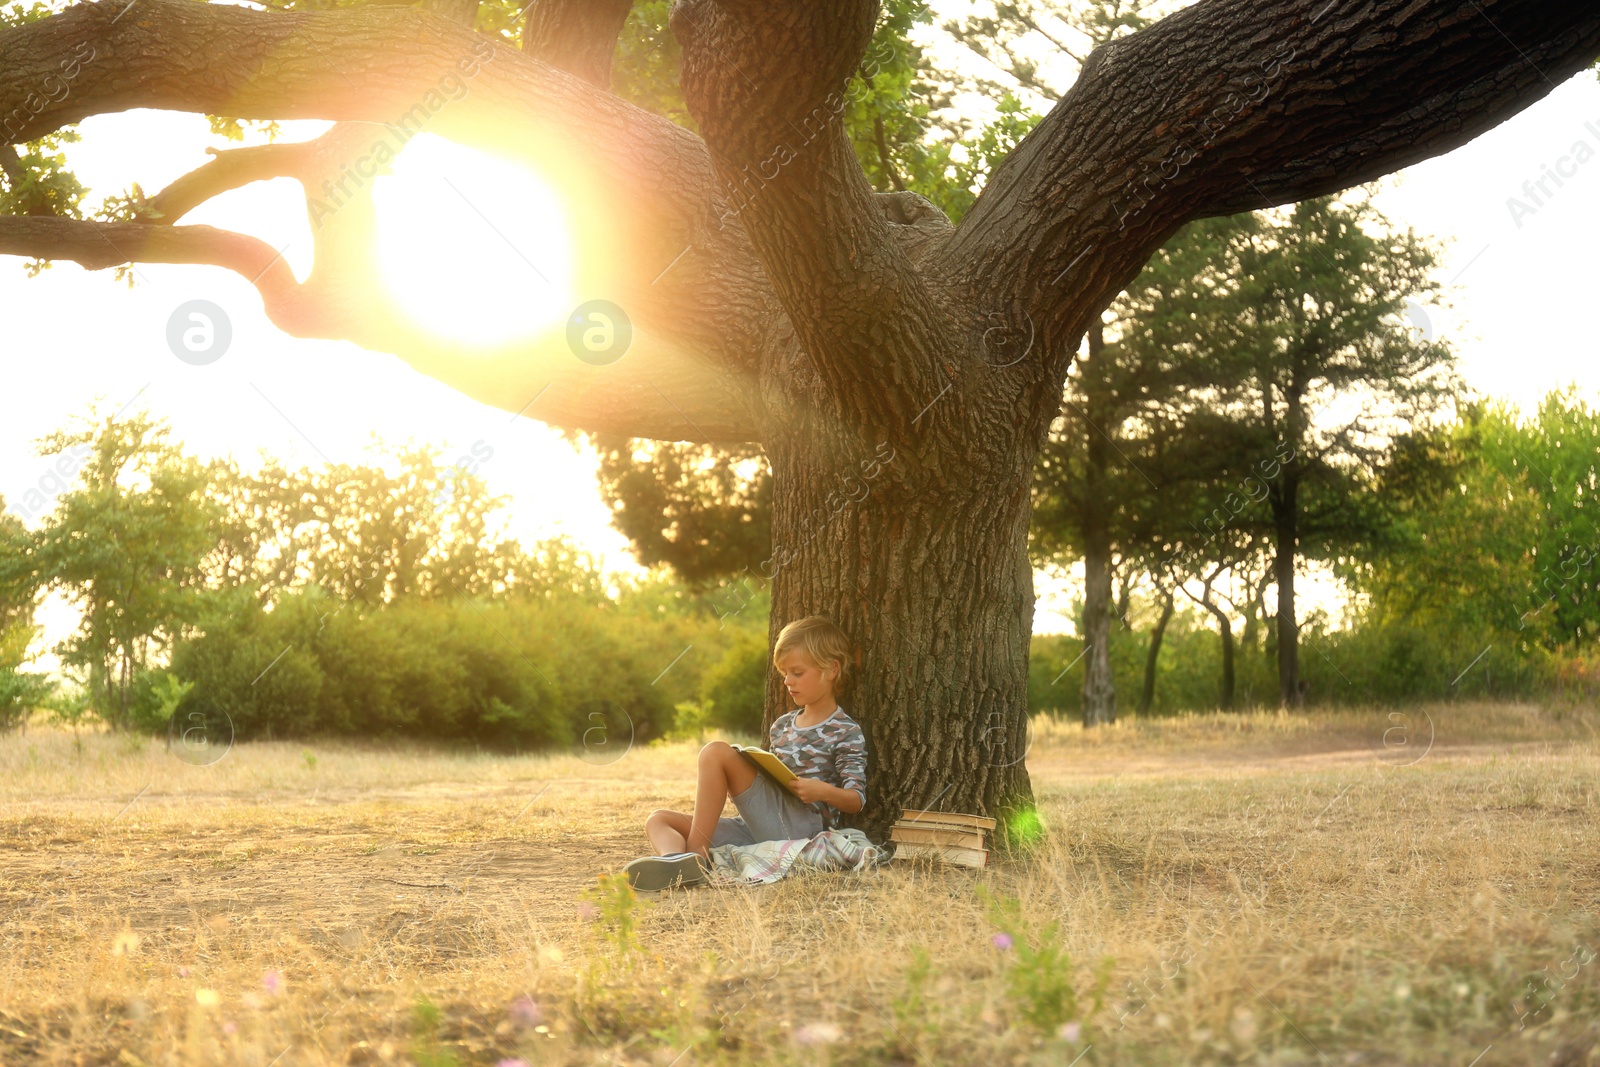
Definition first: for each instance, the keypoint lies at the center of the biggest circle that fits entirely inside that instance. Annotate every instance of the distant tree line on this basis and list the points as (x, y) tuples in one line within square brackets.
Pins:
[(378, 599)]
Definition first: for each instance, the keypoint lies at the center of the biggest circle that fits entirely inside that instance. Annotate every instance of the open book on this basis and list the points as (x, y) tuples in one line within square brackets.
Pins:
[(767, 763)]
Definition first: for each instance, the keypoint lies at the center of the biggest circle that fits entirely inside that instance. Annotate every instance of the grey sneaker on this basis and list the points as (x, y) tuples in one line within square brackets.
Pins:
[(651, 874)]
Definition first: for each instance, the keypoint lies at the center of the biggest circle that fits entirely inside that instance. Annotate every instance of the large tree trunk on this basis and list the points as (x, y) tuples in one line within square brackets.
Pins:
[(1152, 656), (936, 589)]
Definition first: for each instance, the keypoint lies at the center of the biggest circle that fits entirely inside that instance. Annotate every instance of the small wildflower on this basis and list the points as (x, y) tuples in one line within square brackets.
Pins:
[(272, 982), (230, 1027), (1402, 992), (183, 972), (207, 998), (1070, 1032), (512, 1063), (818, 1034), (125, 944), (588, 911), (1001, 941), (524, 1012)]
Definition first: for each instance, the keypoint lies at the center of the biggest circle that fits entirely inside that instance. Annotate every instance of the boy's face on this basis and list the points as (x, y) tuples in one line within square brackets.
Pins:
[(806, 682)]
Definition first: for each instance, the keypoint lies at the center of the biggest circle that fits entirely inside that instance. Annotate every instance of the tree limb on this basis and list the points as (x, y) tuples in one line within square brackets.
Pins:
[(668, 395), (1231, 105), (97, 245), (579, 36), (687, 278), (234, 168)]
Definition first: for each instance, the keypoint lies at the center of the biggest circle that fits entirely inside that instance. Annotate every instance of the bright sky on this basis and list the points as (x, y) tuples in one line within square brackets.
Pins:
[(1521, 286)]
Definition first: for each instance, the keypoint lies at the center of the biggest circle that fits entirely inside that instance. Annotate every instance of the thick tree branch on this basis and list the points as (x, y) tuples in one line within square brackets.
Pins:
[(97, 245), (664, 393), (579, 36), (234, 168), (687, 277), (1231, 105), (766, 81)]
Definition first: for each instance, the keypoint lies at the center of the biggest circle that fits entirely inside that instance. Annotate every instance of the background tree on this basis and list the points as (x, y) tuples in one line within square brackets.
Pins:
[(1133, 445), (1229, 559), (828, 322), (1234, 330), (702, 510), (125, 546), (1554, 453), (1495, 541), (1309, 301), (20, 691), (401, 526)]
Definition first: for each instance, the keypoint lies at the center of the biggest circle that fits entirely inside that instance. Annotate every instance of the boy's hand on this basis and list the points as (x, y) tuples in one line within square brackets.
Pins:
[(810, 790)]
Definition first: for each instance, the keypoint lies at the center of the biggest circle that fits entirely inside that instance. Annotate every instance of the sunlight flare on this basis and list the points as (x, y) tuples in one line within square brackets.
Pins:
[(476, 248)]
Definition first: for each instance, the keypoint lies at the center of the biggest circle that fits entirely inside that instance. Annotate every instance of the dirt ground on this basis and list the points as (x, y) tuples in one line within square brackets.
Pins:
[(370, 878), (339, 866)]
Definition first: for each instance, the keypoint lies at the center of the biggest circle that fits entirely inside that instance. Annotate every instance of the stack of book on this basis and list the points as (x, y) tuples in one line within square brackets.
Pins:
[(943, 835)]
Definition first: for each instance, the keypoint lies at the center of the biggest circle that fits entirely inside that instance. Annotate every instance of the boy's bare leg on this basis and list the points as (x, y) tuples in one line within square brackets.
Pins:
[(668, 831), (723, 773)]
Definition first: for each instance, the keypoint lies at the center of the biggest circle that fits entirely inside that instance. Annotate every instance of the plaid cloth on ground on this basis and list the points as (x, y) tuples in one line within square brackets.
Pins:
[(768, 861)]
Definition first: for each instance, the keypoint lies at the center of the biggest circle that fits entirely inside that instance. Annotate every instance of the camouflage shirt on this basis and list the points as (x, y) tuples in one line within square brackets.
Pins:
[(834, 750)]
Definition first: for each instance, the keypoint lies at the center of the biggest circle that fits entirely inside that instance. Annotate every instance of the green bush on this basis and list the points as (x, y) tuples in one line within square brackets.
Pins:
[(20, 692), (1372, 663), (736, 685), (514, 673), (157, 695)]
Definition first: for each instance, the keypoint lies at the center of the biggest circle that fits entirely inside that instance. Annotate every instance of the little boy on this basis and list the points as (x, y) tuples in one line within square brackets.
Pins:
[(817, 740)]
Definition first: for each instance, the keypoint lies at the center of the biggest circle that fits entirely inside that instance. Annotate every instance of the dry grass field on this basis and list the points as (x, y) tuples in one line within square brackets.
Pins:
[(1255, 888)]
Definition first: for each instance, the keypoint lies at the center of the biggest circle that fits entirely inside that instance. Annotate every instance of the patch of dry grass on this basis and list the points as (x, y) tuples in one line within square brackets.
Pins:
[(1254, 888)]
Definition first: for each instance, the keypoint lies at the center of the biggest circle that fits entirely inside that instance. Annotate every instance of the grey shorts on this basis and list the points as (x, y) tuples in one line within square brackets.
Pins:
[(767, 812)]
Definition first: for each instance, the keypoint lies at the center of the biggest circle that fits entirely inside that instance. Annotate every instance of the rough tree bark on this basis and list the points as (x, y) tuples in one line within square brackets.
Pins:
[(776, 298)]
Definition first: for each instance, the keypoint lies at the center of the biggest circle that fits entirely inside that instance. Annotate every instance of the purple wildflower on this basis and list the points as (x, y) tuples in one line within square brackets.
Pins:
[(524, 1012)]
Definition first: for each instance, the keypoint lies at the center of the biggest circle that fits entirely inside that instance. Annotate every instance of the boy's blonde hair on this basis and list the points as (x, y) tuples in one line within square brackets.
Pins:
[(823, 643)]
